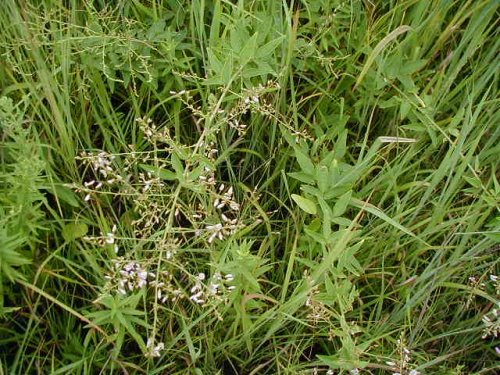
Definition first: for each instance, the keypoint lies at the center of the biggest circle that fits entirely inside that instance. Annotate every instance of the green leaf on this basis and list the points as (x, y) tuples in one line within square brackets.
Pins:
[(73, 231), (404, 108), (303, 177), (380, 214), (305, 204), (305, 163), (378, 49), (341, 221), (323, 177), (164, 174), (247, 53), (268, 48), (64, 194), (214, 62), (178, 167), (340, 147), (342, 203)]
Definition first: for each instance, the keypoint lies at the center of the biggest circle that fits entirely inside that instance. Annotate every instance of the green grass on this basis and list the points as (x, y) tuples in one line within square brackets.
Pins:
[(357, 227)]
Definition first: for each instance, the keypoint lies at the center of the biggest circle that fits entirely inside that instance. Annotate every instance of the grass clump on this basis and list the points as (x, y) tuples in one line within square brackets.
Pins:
[(249, 188)]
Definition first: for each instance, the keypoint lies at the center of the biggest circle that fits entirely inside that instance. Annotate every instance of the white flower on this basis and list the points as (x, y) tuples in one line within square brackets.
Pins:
[(110, 238), (216, 232), (154, 351)]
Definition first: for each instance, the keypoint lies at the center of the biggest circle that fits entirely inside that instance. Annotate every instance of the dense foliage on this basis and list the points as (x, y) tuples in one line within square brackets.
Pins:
[(249, 187)]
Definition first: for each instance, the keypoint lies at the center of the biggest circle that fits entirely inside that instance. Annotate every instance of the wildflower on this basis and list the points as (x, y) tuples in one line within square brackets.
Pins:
[(110, 238), (216, 232), (491, 322), (154, 350), (128, 276), (197, 298)]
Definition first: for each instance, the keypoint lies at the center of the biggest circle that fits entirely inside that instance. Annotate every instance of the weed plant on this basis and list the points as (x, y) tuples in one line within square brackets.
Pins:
[(249, 187)]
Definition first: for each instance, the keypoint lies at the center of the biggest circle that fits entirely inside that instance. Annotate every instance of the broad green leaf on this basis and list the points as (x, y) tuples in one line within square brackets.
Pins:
[(404, 108), (303, 177), (265, 50), (247, 53), (64, 193), (214, 62), (341, 221), (342, 203), (305, 163), (164, 174), (305, 204), (178, 167), (322, 176), (262, 68), (340, 147), (311, 190), (73, 231)]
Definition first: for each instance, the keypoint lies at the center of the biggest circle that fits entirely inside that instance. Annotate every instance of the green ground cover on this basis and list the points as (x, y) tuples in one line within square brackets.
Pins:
[(249, 187)]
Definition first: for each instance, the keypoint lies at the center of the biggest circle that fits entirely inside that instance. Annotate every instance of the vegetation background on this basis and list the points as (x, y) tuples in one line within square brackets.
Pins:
[(249, 187)]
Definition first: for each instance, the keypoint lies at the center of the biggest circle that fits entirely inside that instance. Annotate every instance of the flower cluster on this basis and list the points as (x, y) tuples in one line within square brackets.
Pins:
[(492, 323), (147, 180), (151, 132), (207, 178), (153, 350), (165, 287), (401, 366), (133, 182), (317, 310), (225, 203), (252, 99), (103, 171), (226, 199), (215, 289), (127, 276), (104, 240), (221, 230)]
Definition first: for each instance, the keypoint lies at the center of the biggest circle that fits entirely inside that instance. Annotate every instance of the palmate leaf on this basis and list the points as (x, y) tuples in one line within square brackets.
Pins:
[(120, 312)]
